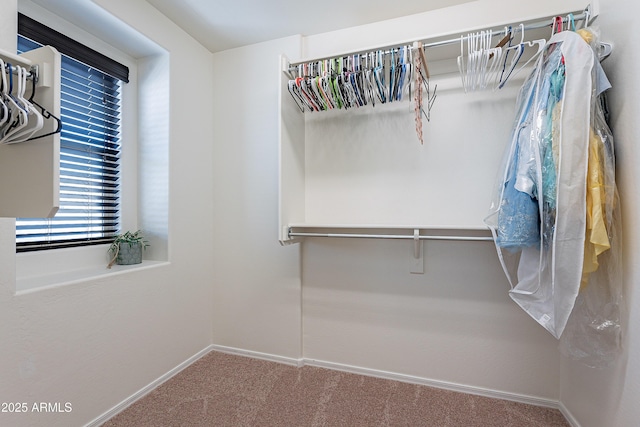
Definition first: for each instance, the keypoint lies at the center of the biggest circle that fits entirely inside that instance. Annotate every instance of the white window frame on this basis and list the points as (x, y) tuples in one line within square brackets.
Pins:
[(39, 269)]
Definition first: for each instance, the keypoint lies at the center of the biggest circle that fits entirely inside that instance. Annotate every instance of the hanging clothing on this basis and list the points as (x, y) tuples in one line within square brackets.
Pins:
[(555, 210), (540, 240), (593, 334)]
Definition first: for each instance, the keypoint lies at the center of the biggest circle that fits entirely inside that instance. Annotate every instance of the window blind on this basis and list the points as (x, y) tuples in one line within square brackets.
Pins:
[(89, 162)]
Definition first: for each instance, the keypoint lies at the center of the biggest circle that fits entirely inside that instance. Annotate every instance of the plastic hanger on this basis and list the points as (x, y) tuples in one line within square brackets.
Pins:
[(35, 120), (408, 71), (354, 80), (392, 76), (378, 74), (6, 113), (45, 114), (472, 60), (493, 64), (335, 88), (301, 83), (293, 91), (462, 67), (519, 50), (367, 81), (571, 22), (19, 116), (557, 25)]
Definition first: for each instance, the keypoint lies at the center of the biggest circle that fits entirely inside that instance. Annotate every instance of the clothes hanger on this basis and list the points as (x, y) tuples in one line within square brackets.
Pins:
[(367, 80), (402, 73), (571, 23), (335, 86), (292, 87), (557, 25), (494, 61), (6, 113), (462, 67), (519, 50), (35, 120), (372, 80), (322, 97), (301, 83), (409, 64), (44, 112), (354, 80), (379, 74), (312, 87), (486, 59), (509, 38), (20, 115), (471, 60), (325, 82)]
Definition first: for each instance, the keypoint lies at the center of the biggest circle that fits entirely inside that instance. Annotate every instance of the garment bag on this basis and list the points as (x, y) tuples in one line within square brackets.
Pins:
[(537, 214)]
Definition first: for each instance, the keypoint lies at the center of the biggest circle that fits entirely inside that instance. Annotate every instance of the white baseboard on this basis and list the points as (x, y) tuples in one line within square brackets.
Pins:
[(521, 398), (479, 391), (515, 397), (258, 355), (568, 415), (147, 389)]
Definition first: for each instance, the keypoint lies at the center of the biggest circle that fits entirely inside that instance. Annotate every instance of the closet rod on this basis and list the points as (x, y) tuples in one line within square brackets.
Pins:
[(582, 16), (13, 58), (392, 236), (33, 72)]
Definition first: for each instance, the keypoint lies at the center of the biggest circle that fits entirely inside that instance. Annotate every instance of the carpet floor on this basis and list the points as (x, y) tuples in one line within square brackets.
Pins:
[(227, 390)]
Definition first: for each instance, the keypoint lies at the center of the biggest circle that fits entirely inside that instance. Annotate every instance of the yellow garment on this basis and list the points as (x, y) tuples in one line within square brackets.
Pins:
[(596, 238), (586, 35)]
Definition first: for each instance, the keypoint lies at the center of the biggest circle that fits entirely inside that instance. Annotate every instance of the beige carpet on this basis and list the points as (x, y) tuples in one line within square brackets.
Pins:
[(226, 390)]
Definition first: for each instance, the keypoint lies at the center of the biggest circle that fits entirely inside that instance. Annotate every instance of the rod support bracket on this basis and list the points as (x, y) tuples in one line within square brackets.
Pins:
[(417, 262)]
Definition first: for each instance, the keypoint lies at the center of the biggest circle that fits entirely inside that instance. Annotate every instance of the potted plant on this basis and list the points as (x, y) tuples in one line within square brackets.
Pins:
[(127, 248)]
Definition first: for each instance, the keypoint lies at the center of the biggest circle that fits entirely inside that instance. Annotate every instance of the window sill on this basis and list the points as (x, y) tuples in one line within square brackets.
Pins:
[(27, 285)]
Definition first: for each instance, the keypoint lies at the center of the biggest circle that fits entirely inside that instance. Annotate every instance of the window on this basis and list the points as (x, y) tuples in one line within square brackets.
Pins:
[(89, 146)]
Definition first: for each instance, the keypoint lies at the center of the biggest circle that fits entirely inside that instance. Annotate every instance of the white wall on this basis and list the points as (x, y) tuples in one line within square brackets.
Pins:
[(610, 396), (95, 343), (257, 282)]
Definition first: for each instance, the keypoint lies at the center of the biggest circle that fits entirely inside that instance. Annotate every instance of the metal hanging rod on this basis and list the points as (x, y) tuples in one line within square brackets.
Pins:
[(33, 72), (582, 16), (391, 236), (11, 58)]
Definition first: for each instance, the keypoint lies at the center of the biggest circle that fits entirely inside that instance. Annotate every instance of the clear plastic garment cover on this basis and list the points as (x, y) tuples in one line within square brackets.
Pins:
[(554, 213)]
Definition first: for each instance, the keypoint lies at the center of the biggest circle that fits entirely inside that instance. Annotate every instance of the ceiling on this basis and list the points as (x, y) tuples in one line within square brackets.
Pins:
[(226, 24)]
